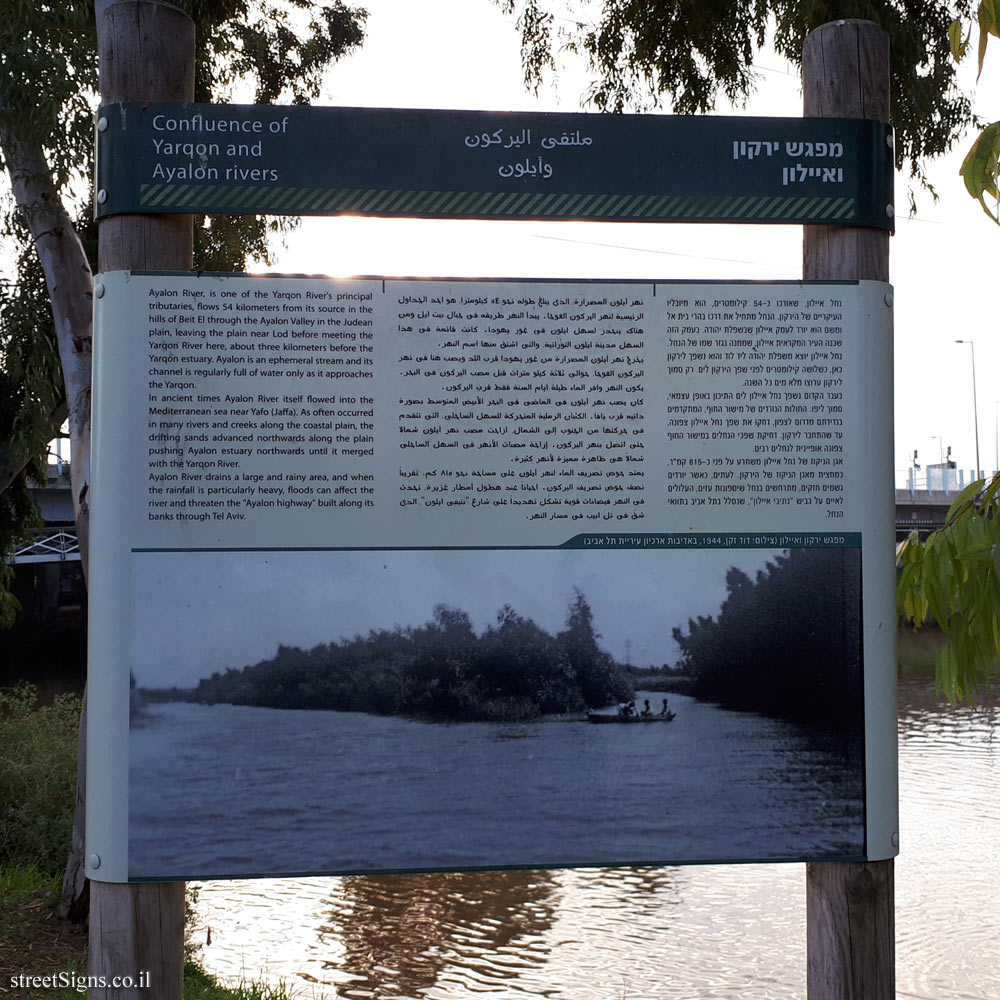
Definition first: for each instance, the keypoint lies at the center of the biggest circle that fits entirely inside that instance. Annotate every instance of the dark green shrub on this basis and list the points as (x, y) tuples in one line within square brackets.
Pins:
[(38, 750)]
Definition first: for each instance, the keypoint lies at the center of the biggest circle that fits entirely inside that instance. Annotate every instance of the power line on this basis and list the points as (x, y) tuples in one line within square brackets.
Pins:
[(666, 253)]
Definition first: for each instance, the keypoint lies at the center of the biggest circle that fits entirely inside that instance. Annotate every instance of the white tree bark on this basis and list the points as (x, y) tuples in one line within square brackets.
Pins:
[(71, 292)]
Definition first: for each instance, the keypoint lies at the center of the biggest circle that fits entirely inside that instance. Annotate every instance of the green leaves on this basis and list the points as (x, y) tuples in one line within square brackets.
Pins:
[(981, 169), (959, 45), (964, 499), (955, 576), (48, 87), (988, 16)]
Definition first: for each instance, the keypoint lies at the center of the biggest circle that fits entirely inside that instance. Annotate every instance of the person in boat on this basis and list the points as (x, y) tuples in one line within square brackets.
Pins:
[(666, 708), (647, 712)]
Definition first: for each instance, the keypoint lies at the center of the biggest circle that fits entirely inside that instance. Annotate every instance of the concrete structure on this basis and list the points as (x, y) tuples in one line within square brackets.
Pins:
[(925, 510)]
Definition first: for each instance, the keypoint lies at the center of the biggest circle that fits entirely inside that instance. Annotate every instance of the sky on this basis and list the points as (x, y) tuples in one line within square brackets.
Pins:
[(238, 606), (464, 54)]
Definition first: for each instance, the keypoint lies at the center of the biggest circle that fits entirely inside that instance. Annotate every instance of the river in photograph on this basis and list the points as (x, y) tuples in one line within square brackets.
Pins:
[(718, 932)]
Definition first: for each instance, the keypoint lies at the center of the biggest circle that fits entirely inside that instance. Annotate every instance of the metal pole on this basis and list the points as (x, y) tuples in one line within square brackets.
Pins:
[(996, 438), (975, 405)]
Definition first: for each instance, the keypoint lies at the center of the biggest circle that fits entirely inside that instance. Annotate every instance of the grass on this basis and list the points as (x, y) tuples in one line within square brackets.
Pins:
[(38, 748), (34, 942), (199, 985)]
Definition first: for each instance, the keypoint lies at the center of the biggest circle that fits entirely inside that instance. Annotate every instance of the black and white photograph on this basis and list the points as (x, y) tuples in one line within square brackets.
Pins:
[(324, 711)]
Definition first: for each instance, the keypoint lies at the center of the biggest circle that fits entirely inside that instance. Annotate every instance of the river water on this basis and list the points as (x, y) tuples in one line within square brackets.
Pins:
[(693, 932), (221, 790)]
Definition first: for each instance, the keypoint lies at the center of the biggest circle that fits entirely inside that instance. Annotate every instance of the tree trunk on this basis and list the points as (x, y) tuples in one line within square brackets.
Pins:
[(849, 906), (71, 293), (146, 53)]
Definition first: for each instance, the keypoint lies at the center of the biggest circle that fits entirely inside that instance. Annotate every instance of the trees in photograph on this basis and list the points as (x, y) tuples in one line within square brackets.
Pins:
[(787, 643), (441, 670)]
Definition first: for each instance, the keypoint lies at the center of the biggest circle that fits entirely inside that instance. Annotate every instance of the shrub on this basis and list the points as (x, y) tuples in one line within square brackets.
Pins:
[(38, 751)]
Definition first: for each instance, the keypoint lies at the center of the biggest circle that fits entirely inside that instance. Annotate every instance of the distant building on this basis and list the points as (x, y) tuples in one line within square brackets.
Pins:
[(942, 477)]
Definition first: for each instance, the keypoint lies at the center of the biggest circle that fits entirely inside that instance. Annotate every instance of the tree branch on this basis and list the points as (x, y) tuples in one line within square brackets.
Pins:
[(14, 459), (71, 291)]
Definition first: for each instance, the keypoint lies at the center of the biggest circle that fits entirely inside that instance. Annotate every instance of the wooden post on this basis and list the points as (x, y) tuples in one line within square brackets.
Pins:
[(849, 906), (146, 53)]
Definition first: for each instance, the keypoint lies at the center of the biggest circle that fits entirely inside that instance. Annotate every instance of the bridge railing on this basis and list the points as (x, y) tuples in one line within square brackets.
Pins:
[(47, 545)]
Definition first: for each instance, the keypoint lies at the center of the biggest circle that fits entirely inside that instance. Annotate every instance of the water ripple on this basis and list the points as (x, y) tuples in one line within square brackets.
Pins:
[(652, 933)]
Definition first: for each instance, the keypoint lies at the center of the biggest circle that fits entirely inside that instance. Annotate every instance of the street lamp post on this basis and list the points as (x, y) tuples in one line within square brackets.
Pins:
[(975, 407)]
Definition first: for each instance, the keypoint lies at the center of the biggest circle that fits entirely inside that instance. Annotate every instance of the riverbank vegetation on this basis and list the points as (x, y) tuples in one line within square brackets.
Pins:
[(38, 746), (440, 671), (787, 643), (38, 749)]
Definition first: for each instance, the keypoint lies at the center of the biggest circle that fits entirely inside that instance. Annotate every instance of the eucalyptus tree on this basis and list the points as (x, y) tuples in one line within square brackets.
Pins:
[(953, 578), (686, 54), (48, 94)]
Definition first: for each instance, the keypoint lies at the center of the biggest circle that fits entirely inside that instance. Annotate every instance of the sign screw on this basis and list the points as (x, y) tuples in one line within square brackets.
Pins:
[(102, 196), (888, 140), (102, 124), (890, 210), (95, 861), (888, 299), (99, 291), (895, 839)]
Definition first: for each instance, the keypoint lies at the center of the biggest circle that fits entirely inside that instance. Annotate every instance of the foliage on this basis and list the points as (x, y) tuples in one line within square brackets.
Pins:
[(599, 680), (981, 168), (38, 746), (642, 53), (32, 398), (954, 576), (441, 670), (786, 644), (201, 985), (32, 944)]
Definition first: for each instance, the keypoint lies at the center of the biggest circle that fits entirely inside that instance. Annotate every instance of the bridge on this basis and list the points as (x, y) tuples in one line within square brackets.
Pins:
[(923, 511), (48, 574), (57, 541), (47, 545), (923, 504)]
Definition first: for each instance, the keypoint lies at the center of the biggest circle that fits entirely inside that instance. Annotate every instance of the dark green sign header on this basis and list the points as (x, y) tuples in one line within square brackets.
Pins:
[(256, 160)]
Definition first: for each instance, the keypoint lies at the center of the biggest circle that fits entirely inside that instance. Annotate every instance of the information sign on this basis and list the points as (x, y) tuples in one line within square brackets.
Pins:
[(207, 158), (380, 564)]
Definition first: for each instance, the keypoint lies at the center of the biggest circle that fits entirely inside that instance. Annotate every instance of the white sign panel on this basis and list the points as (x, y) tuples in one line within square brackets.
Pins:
[(399, 574)]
